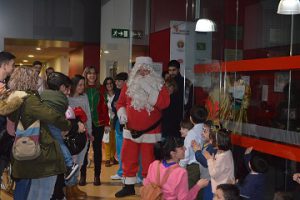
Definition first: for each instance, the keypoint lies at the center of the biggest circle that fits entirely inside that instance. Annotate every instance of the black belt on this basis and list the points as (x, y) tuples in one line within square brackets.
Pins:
[(136, 134)]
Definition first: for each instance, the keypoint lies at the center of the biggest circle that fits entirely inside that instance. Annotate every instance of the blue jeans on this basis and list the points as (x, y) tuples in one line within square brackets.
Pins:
[(22, 189), (119, 143), (78, 159), (56, 134), (42, 188)]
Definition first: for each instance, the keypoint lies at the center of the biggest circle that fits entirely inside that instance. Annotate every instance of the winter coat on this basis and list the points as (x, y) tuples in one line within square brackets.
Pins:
[(51, 161)]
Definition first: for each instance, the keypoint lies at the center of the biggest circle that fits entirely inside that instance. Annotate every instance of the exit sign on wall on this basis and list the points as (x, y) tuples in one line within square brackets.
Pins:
[(119, 33)]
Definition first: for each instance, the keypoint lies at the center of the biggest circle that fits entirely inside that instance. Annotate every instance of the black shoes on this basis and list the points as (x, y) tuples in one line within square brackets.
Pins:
[(97, 181), (127, 190), (71, 171), (82, 181)]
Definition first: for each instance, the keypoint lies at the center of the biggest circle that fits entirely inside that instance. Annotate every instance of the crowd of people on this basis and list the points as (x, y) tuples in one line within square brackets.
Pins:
[(148, 125)]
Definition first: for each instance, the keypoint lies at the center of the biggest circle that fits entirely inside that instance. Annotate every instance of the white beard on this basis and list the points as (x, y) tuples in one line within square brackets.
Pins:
[(139, 97)]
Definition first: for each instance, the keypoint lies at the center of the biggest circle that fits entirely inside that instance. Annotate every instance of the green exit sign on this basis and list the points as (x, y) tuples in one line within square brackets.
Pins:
[(119, 33)]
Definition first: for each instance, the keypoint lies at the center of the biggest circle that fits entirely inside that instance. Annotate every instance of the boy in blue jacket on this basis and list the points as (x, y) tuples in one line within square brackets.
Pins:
[(252, 187)]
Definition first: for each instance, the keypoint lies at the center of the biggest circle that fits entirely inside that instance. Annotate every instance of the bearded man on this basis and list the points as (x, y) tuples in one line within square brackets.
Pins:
[(139, 108)]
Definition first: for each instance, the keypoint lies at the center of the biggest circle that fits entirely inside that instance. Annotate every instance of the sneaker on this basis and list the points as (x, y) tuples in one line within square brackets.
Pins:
[(116, 177), (114, 161), (71, 171), (107, 163)]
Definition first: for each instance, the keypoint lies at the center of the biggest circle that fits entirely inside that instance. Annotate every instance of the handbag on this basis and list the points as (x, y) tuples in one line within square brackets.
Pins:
[(105, 138), (75, 142)]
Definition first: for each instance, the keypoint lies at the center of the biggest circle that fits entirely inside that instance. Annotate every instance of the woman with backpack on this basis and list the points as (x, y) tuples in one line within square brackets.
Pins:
[(166, 179), (35, 174)]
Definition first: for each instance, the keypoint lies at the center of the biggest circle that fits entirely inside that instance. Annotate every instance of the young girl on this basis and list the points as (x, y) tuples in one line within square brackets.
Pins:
[(99, 122), (208, 135), (78, 98), (176, 186), (220, 166), (110, 147)]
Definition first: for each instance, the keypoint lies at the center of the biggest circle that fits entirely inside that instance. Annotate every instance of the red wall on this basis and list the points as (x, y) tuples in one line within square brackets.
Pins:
[(162, 12), (91, 53), (159, 47)]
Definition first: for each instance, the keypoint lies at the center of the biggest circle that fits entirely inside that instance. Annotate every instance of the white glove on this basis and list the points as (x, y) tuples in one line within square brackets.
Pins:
[(122, 115)]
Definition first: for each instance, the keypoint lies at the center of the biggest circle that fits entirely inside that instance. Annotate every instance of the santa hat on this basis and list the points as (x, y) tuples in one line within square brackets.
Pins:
[(143, 61)]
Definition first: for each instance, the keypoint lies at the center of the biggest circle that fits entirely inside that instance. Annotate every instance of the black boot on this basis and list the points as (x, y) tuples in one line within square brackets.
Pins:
[(82, 181), (127, 190)]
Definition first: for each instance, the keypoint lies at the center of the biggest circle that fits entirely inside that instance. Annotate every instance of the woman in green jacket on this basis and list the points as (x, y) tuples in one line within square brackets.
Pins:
[(43, 170)]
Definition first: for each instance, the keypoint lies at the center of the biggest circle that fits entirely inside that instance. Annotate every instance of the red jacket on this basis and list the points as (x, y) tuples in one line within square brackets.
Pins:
[(141, 120)]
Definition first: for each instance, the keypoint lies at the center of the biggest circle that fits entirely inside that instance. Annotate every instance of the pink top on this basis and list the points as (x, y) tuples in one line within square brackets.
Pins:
[(176, 187)]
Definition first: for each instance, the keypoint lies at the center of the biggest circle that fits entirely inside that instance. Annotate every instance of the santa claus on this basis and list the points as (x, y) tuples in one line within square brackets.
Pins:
[(139, 108)]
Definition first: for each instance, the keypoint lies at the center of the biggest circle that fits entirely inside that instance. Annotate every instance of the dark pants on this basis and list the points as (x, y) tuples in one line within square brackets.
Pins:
[(97, 147), (58, 192), (193, 171)]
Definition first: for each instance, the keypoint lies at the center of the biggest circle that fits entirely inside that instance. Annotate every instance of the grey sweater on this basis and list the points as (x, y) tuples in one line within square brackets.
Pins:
[(83, 102)]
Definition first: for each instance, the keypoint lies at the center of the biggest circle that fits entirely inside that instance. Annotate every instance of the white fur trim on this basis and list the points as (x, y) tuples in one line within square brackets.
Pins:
[(145, 138), (153, 97), (129, 180), (143, 60), (122, 115)]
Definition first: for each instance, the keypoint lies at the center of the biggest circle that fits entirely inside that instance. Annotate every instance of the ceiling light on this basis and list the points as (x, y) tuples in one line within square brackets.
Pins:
[(106, 52), (205, 25), (288, 7), (30, 56), (25, 60), (38, 48), (21, 64)]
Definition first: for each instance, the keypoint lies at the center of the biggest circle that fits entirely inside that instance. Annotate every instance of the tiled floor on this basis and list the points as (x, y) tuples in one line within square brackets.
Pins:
[(105, 191)]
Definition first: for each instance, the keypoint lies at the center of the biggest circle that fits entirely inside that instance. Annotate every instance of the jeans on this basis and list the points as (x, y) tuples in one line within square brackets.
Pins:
[(56, 134), (119, 143), (22, 189), (97, 147), (42, 188), (78, 159)]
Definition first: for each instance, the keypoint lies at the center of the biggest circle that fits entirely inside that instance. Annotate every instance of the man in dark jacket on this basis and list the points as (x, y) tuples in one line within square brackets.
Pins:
[(7, 65), (185, 86)]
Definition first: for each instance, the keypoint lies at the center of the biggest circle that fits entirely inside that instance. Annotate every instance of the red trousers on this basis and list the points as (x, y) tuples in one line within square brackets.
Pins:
[(130, 157)]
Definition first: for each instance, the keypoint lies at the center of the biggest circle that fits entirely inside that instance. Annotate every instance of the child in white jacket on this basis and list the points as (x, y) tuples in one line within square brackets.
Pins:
[(220, 166)]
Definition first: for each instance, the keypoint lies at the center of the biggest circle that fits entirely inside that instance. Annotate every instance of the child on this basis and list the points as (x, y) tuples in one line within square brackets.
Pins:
[(253, 185), (176, 185), (227, 192), (185, 126), (208, 136), (55, 97), (220, 166), (198, 117)]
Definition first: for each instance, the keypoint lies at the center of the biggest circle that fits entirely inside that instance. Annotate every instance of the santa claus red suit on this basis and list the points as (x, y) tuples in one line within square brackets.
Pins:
[(140, 108)]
